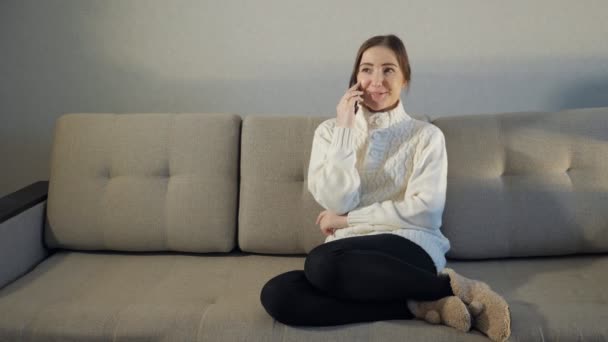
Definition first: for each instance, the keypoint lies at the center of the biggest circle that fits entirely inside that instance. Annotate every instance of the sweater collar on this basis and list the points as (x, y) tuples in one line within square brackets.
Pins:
[(380, 120)]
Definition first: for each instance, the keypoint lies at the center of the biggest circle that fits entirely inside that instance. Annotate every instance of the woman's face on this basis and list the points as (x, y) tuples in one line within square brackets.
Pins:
[(380, 77)]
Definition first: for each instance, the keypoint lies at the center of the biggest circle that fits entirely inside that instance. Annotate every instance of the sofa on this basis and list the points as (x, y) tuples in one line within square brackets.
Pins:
[(165, 227)]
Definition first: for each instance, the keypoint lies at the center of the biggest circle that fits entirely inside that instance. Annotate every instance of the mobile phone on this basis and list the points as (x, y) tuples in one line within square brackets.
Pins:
[(357, 102)]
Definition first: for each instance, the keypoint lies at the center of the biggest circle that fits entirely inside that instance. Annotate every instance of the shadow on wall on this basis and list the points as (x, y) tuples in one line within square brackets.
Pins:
[(544, 85), (64, 58), (588, 94)]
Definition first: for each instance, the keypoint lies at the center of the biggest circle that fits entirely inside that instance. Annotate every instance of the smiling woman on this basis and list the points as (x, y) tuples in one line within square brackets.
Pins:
[(380, 79), (381, 177), (382, 70)]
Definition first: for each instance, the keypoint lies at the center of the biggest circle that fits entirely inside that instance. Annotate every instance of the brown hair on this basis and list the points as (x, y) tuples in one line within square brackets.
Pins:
[(390, 41)]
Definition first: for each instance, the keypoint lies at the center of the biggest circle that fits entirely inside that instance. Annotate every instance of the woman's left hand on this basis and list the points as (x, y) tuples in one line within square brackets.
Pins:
[(329, 222)]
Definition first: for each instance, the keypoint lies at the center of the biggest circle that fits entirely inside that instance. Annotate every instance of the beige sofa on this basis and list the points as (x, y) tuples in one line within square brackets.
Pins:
[(164, 227)]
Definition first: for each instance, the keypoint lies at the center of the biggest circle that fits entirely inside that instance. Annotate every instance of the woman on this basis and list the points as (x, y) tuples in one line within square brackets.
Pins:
[(381, 176)]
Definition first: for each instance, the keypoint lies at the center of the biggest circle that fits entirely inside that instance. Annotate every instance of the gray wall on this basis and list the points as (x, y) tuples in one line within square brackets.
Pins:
[(282, 57)]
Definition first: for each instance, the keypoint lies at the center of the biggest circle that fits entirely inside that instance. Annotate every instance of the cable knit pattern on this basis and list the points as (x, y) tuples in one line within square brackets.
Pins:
[(388, 173)]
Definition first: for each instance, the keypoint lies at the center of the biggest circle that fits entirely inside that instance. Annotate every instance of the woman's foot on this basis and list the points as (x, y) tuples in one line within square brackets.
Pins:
[(490, 311), (450, 311)]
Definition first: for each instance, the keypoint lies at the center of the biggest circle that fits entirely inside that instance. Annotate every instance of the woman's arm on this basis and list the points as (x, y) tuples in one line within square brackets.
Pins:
[(424, 200), (333, 179)]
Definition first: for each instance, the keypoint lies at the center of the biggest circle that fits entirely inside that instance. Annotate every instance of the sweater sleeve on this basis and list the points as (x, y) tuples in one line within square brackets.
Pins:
[(424, 199), (333, 179)]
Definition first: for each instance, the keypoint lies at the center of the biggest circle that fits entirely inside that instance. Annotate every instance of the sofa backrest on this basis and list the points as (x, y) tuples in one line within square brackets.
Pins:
[(144, 182), (526, 184), (277, 213), (519, 184)]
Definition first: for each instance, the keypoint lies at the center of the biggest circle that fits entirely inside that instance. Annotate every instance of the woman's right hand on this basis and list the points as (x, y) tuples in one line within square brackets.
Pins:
[(329, 222), (346, 107)]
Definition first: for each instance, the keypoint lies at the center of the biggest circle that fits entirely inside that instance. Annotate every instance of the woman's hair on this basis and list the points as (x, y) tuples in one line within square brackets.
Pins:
[(390, 41)]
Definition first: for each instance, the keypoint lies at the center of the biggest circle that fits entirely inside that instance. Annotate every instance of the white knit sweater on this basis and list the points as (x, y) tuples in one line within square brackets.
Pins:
[(388, 172)]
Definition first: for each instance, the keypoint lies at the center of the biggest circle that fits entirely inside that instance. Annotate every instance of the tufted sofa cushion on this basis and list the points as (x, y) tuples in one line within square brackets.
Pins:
[(276, 212), (526, 184), (144, 182)]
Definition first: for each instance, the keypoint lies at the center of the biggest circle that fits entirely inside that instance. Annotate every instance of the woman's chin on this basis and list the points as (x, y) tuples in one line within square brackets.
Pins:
[(378, 107), (374, 108)]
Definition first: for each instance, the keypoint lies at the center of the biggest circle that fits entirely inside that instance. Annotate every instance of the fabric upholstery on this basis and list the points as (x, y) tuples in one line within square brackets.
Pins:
[(526, 184), (144, 182), (277, 213), (74, 296)]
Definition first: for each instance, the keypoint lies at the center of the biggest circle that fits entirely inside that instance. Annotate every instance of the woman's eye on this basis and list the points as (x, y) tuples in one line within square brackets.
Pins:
[(366, 70), (389, 70)]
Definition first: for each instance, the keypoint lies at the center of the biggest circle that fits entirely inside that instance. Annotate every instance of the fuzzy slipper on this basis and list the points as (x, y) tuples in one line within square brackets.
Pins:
[(450, 311), (490, 311)]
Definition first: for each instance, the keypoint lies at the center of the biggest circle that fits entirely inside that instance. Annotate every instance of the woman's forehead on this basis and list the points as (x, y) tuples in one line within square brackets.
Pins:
[(378, 55)]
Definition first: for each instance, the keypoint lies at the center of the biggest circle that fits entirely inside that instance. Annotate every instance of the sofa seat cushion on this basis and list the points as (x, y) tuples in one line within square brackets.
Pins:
[(74, 296)]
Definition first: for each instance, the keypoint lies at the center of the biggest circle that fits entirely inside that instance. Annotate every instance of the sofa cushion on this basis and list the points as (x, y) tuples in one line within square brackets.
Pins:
[(78, 296), (144, 182), (277, 213), (524, 184)]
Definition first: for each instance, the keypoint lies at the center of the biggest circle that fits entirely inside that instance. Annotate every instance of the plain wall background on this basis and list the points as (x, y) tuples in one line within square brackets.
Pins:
[(282, 57)]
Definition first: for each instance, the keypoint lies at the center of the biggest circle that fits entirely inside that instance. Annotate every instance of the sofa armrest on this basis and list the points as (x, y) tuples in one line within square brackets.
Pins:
[(22, 220)]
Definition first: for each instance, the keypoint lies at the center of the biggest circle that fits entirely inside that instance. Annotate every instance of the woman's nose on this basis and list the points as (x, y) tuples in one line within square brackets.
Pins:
[(377, 79)]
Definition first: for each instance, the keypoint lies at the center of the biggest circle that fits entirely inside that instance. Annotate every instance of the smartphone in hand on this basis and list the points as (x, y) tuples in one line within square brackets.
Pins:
[(357, 102)]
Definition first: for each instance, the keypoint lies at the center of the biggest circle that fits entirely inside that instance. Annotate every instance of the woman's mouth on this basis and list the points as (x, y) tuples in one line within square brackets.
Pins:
[(378, 96)]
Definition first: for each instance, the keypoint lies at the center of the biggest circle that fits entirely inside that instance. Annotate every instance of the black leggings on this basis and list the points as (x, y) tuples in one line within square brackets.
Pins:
[(356, 279)]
